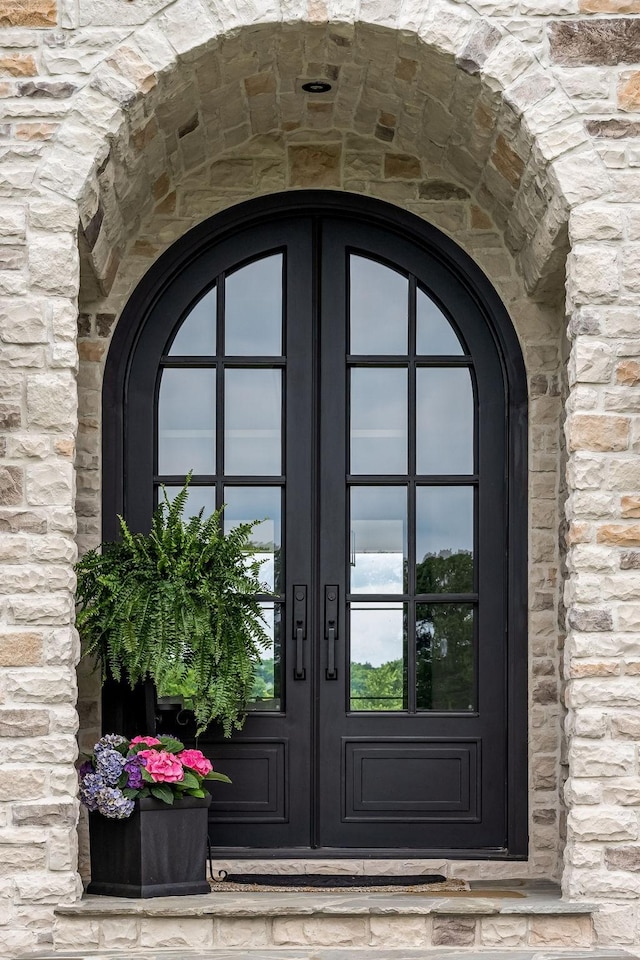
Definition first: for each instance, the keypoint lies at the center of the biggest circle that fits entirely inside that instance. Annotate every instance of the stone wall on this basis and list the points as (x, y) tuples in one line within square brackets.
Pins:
[(514, 127)]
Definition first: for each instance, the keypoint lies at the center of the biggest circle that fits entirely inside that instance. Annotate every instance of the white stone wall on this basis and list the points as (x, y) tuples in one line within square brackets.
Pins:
[(514, 127)]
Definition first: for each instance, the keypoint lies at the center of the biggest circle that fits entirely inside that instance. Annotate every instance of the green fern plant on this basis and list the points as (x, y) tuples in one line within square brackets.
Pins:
[(178, 600)]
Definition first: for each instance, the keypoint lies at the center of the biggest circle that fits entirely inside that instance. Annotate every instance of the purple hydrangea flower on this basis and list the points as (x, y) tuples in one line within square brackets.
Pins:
[(110, 741), (85, 767), (90, 785), (133, 768), (112, 803), (109, 764)]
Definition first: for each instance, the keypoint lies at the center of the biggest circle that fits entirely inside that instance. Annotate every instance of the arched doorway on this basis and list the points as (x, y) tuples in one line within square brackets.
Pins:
[(337, 367)]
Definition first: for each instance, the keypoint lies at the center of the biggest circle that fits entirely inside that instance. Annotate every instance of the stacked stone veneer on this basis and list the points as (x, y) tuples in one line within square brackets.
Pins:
[(515, 128)]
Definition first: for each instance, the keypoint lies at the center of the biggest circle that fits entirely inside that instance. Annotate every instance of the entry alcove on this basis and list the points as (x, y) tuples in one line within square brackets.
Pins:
[(342, 369)]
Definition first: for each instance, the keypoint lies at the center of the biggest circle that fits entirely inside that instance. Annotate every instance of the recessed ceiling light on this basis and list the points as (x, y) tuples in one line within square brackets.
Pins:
[(316, 86)]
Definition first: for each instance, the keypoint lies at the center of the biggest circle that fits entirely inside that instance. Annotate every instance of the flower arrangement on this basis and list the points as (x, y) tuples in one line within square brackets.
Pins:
[(120, 771)]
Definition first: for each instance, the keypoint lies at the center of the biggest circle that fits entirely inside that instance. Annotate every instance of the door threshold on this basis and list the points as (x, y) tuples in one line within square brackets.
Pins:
[(351, 853)]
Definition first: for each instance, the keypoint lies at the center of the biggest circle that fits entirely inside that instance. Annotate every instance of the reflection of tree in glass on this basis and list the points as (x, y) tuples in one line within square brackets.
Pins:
[(377, 688), (446, 572), (444, 634)]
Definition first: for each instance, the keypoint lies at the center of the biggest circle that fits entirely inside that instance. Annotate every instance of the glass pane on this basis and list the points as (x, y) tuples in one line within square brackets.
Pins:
[(197, 334), (198, 498), (434, 333), (444, 656), (266, 684), (444, 408), (378, 420), (444, 539), (245, 504), (252, 422), (186, 422), (379, 308), (378, 656), (253, 309), (378, 539)]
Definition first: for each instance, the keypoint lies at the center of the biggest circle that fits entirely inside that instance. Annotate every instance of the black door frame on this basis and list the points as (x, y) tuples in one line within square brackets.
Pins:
[(393, 220)]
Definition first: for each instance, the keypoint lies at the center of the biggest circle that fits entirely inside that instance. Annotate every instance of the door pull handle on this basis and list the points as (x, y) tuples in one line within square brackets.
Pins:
[(331, 630), (299, 629)]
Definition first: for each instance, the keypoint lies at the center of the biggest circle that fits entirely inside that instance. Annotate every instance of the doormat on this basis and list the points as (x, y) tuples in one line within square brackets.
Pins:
[(335, 883)]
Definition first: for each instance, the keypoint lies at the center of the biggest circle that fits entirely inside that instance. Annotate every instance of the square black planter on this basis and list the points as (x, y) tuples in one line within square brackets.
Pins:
[(159, 851)]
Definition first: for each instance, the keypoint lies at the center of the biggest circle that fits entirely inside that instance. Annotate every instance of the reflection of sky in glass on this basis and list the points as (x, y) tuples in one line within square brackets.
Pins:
[(264, 685), (378, 420), (186, 421), (252, 420), (378, 539), (377, 632), (379, 308), (434, 333), (197, 498), (444, 401), (444, 520), (197, 334), (253, 309), (245, 504)]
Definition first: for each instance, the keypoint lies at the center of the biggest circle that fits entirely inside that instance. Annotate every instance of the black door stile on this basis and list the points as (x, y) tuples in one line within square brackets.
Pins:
[(322, 776)]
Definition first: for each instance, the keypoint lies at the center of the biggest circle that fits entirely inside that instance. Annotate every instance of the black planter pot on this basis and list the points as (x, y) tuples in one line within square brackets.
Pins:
[(159, 851)]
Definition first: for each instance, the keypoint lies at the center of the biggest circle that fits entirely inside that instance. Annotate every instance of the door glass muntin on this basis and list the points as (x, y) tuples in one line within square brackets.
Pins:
[(435, 352), (208, 485)]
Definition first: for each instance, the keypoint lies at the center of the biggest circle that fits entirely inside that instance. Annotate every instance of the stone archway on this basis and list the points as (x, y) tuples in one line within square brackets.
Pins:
[(233, 124)]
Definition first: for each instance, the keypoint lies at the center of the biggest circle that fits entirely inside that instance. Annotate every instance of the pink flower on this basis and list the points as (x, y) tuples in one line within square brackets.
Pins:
[(164, 767), (150, 741), (196, 760)]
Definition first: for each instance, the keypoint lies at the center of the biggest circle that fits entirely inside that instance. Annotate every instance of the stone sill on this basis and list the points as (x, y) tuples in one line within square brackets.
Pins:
[(538, 900)]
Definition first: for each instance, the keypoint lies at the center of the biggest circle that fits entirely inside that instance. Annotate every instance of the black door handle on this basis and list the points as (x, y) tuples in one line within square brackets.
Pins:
[(331, 630), (299, 629)]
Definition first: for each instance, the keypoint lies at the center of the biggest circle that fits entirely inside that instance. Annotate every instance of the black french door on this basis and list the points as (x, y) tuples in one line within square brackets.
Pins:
[(340, 381)]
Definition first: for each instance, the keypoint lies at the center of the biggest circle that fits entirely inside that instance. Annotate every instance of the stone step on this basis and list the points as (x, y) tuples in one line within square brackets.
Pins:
[(336, 954), (538, 921)]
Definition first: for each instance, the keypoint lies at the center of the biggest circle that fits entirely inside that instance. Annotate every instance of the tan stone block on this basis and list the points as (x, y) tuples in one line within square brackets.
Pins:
[(320, 931), (629, 90), (241, 932), (628, 372), (402, 166), (93, 350), (453, 932), (35, 131), (18, 65), (630, 507), (503, 931), (20, 649), (507, 161), (609, 6), (558, 931), (175, 932), (260, 83), (584, 668), (600, 433), (317, 166), (398, 931), (619, 535), (28, 13)]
